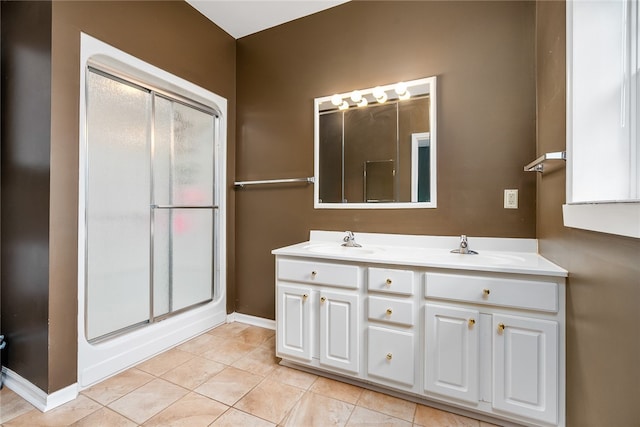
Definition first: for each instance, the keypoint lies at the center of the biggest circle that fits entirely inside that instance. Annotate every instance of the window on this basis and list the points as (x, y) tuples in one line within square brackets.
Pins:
[(603, 154)]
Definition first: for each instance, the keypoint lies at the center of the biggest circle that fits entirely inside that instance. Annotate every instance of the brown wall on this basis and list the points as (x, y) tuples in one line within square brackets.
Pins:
[(483, 55), (26, 134), (170, 35), (603, 297)]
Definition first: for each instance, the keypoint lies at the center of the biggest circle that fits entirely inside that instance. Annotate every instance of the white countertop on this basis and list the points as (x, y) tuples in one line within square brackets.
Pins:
[(502, 255)]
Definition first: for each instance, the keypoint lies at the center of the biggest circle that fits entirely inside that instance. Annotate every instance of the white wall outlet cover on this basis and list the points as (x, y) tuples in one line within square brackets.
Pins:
[(511, 199)]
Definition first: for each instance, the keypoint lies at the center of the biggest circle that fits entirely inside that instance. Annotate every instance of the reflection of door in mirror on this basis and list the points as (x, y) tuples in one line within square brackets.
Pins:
[(379, 182), (420, 165)]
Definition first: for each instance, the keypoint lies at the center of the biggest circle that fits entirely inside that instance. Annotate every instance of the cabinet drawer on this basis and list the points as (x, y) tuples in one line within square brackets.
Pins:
[(527, 294), (391, 355), (320, 273), (390, 280), (390, 310)]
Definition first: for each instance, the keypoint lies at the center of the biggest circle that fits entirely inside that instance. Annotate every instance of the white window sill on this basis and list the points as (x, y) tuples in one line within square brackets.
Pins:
[(622, 218)]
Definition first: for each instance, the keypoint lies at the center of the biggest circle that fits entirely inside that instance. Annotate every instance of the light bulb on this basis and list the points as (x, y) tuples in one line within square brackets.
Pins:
[(344, 105), (401, 88), (379, 94), (356, 96), (363, 102), (405, 95), (336, 100)]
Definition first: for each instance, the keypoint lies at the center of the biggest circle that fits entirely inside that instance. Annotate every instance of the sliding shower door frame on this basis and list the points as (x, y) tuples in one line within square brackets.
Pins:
[(154, 93)]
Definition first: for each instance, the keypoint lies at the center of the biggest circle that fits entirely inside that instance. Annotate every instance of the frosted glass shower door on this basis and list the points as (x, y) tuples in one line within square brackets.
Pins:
[(184, 211), (150, 213), (117, 205)]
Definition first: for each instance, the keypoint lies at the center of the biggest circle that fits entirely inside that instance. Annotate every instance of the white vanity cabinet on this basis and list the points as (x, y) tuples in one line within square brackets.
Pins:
[(508, 323), (455, 330), (391, 336), (317, 313)]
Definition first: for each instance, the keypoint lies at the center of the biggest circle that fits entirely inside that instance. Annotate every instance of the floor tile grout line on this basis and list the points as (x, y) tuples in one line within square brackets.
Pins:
[(381, 413), (415, 412), (159, 355), (198, 385), (83, 392), (193, 356), (105, 407), (351, 414), (294, 404), (249, 413), (170, 404), (334, 398)]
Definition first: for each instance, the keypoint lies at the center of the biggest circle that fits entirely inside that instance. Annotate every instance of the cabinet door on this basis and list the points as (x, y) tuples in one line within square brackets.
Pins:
[(391, 355), (293, 328), (339, 330), (452, 352), (525, 367)]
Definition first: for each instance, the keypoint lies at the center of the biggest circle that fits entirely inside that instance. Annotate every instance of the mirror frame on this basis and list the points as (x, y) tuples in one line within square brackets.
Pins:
[(431, 82)]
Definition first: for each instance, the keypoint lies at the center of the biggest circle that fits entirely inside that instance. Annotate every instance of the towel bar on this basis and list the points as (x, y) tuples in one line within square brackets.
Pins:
[(241, 184), (538, 164)]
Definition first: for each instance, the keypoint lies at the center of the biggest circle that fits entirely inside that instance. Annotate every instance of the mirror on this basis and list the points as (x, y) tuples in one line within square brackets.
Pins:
[(376, 147)]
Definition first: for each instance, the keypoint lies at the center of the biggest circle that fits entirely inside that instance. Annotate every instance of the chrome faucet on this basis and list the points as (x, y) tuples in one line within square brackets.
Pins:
[(464, 247), (350, 240)]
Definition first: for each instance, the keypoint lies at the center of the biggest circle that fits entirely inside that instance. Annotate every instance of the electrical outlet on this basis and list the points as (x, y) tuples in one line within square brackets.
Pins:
[(511, 199)]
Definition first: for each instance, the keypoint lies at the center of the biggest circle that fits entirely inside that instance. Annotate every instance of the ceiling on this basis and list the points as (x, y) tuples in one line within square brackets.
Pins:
[(240, 18)]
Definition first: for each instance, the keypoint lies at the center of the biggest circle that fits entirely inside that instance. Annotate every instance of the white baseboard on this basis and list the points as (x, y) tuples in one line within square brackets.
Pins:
[(251, 320), (36, 396)]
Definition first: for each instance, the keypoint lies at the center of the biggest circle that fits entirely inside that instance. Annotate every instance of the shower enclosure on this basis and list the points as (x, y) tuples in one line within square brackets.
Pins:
[(151, 218), (150, 211)]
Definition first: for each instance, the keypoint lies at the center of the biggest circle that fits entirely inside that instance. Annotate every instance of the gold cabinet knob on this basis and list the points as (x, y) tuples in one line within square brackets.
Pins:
[(388, 282), (472, 322), (305, 296), (389, 356), (389, 311), (486, 292), (323, 299), (314, 273), (500, 328)]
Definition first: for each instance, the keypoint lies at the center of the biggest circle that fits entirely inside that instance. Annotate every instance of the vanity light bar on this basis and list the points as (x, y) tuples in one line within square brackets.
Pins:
[(378, 93)]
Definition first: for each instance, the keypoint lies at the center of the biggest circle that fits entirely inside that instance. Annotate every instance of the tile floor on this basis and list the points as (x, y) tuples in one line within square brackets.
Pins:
[(226, 377)]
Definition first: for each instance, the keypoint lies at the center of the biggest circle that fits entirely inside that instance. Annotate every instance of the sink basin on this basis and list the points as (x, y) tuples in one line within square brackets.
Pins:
[(480, 259), (336, 249)]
